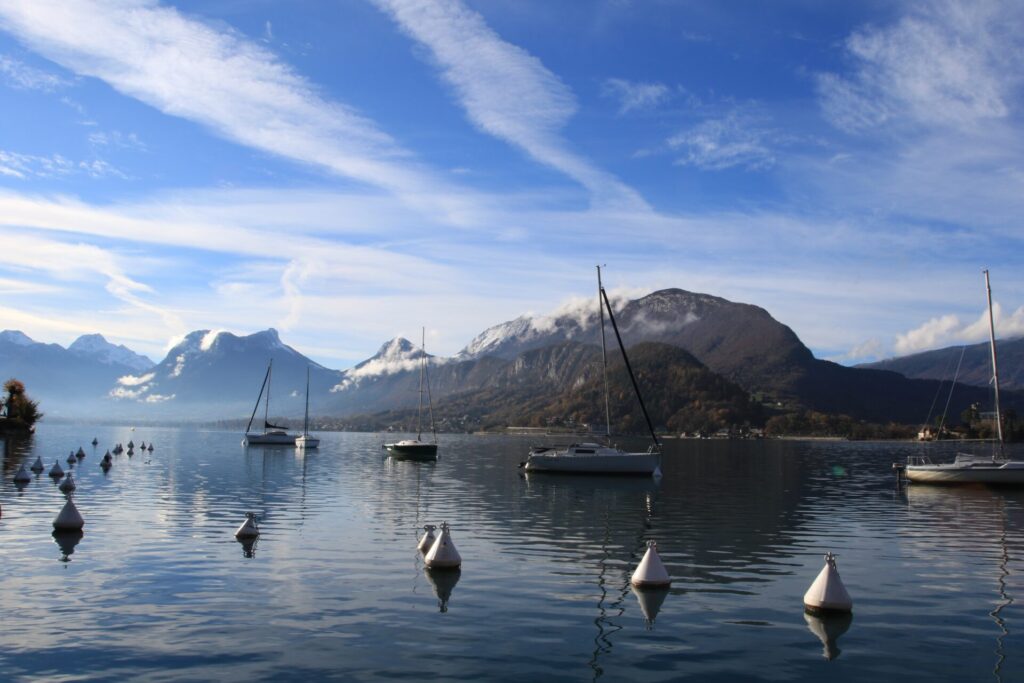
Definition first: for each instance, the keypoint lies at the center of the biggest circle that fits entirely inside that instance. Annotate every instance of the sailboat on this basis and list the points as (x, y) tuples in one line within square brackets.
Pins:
[(307, 441), (596, 458), (417, 449), (972, 468), (272, 435)]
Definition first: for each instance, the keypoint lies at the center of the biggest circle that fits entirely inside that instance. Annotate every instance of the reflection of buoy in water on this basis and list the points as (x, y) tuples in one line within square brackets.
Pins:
[(828, 628), (443, 582), (651, 599), (67, 540), (68, 484), (828, 594), (248, 528), (427, 542), (650, 571), (442, 554), (21, 476), (37, 466), (131, 451), (56, 471), (69, 519)]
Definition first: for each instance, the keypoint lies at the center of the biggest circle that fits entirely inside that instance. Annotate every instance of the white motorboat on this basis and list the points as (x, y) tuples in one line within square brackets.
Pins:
[(272, 435), (306, 441), (971, 468), (594, 458), (417, 449)]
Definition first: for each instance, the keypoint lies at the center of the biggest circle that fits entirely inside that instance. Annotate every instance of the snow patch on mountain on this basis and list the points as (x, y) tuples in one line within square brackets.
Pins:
[(97, 347), (208, 339), (393, 357), (16, 337)]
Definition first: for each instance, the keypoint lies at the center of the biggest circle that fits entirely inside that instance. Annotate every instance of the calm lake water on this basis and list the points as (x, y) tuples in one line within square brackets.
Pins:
[(159, 589)]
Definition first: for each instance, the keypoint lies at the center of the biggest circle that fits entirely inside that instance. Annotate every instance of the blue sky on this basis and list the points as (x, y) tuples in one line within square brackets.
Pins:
[(350, 171)]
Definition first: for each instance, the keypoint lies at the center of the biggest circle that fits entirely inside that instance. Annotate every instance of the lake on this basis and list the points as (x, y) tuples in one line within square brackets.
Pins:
[(159, 589)]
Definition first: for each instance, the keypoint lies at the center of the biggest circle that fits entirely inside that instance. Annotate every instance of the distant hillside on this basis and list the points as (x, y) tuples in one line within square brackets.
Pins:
[(976, 368)]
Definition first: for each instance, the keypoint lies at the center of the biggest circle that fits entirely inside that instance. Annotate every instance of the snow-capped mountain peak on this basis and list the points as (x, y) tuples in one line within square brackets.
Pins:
[(16, 337), (96, 346)]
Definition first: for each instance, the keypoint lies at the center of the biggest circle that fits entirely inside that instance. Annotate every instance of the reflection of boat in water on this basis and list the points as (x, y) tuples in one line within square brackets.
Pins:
[(272, 435), (417, 449), (586, 482), (597, 458), (972, 468), (828, 628)]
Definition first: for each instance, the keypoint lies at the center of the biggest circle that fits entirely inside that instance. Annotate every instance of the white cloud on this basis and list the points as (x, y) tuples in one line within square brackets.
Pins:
[(133, 380), (505, 91), (19, 75), (737, 139), (948, 330), (159, 398), (635, 95), (945, 64)]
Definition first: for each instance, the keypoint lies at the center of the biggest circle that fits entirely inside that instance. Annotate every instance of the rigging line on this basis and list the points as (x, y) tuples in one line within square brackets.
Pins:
[(938, 391), (952, 386)]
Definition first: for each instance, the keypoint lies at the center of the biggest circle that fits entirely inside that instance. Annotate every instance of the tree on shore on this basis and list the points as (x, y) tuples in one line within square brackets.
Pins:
[(17, 406)]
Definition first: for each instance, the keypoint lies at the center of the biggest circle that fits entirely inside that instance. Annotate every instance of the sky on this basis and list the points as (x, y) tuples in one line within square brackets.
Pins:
[(350, 171)]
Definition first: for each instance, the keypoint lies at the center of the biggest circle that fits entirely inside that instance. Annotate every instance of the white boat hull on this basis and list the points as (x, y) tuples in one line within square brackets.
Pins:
[(307, 442), (593, 460), (269, 439), (953, 473)]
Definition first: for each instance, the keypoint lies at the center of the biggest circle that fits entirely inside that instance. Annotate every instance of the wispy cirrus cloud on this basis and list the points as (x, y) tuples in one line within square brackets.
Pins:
[(17, 74), (736, 139), (505, 91), (633, 95)]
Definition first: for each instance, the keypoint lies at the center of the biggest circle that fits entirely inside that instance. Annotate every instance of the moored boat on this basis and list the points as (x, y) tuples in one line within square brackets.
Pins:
[(417, 449), (272, 435)]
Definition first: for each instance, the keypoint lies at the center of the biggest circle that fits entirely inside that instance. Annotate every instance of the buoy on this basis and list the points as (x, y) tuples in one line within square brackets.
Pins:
[(21, 476), (105, 463), (651, 600), (427, 542), (80, 453), (38, 466), (442, 554), (56, 471), (69, 518), (131, 451), (248, 528), (150, 449), (131, 445), (828, 594), (142, 446), (72, 459), (95, 441), (68, 484), (650, 571), (106, 456)]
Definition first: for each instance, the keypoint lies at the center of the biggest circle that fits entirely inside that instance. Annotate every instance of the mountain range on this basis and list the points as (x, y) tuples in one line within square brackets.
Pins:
[(734, 356), (975, 368)]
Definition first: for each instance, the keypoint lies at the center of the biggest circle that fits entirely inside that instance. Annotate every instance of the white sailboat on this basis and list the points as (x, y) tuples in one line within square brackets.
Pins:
[(968, 468), (417, 449), (595, 458), (272, 435), (307, 441)]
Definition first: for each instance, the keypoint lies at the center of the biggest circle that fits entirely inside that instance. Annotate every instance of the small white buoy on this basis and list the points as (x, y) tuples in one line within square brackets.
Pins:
[(131, 445), (80, 453), (68, 484), (650, 571), (427, 542), (21, 476), (443, 554), (69, 518), (56, 471), (38, 466), (105, 463), (150, 448), (142, 446), (248, 528), (827, 593), (72, 459), (106, 456), (95, 441)]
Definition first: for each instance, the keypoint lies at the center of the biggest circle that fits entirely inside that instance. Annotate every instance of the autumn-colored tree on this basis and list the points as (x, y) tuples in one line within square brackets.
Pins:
[(19, 407)]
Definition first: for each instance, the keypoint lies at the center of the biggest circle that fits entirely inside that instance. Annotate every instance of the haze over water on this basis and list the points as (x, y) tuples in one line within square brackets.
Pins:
[(158, 588)]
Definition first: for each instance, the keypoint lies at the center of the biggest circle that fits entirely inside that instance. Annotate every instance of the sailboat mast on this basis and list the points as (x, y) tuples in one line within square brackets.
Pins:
[(995, 365), (305, 419), (419, 409), (604, 361), (266, 408), (256, 407)]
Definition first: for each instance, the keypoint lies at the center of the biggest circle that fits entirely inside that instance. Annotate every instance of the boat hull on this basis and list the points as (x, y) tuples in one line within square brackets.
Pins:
[(603, 461), (412, 451), (269, 439), (307, 442), (1005, 473)]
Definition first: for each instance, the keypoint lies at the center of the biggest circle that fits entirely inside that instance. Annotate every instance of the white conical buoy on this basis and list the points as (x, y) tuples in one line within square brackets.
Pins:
[(68, 484), (142, 446), (442, 554), (827, 593), (80, 453), (106, 456), (105, 462), (650, 571), (150, 448), (95, 441), (248, 528), (21, 476), (427, 542), (131, 444), (56, 470), (38, 466), (72, 459), (69, 518)]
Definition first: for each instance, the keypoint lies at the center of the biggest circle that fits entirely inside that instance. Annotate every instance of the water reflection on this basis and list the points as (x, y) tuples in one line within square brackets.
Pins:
[(828, 628), (443, 582), (67, 541), (248, 546), (650, 600)]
